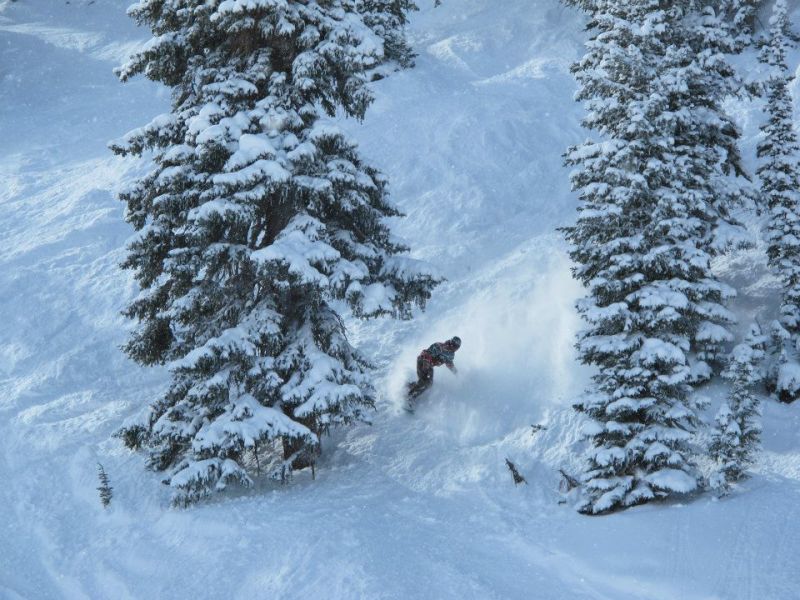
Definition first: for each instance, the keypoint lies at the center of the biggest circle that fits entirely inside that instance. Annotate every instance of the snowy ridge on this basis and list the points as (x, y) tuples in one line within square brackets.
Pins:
[(410, 507)]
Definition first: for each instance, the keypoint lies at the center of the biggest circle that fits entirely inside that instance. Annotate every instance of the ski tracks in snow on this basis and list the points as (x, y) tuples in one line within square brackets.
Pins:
[(758, 547)]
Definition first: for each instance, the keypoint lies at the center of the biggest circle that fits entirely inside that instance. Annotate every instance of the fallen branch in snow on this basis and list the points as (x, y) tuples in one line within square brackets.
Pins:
[(105, 489), (537, 428), (518, 478), (568, 482)]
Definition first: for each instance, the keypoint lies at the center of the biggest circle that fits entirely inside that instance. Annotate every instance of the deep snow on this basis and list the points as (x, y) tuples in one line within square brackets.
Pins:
[(410, 507)]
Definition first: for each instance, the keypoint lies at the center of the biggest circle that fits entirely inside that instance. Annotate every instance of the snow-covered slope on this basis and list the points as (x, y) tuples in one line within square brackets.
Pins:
[(410, 507)]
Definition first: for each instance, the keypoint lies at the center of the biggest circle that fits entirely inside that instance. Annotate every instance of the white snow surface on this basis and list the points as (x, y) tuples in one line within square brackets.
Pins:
[(412, 506)]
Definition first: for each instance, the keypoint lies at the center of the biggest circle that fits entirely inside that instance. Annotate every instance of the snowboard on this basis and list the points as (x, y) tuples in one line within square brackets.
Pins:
[(411, 398)]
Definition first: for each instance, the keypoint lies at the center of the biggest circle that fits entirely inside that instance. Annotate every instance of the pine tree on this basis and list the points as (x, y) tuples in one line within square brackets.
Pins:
[(741, 17), (696, 79), (388, 20), (737, 437), (105, 489), (653, 211), (256, 220), (780, 186)]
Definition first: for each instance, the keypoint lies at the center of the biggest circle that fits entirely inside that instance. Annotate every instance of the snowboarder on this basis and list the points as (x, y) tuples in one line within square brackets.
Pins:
[(435, 355)]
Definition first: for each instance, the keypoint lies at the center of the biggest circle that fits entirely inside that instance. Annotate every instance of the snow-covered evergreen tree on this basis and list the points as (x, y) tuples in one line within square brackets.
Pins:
[(696, 78), (780, 186), (737, 436), (255, 221), (655, 207), (741, 16), (388, 20)]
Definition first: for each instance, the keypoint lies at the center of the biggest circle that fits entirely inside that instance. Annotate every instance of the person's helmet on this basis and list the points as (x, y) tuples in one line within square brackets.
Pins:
[(455, 342)]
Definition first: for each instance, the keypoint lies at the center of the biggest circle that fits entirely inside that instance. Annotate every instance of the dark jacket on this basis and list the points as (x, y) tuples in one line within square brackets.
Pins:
[(439, 354)]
